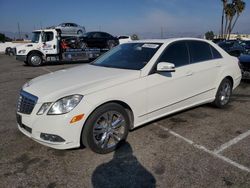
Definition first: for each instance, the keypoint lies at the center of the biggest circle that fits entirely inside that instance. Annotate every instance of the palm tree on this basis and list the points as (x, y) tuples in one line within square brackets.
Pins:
[(224, 2), (229, 13), (239, 7)]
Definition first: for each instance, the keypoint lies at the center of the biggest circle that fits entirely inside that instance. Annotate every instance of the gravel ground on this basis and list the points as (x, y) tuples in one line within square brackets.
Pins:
[(180, 150)]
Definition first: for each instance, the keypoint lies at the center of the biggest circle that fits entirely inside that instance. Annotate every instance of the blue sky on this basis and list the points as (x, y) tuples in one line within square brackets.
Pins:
[(119, 16)]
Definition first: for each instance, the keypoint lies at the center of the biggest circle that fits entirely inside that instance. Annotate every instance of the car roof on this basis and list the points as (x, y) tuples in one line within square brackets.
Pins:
[(169, 40), (68, 23)]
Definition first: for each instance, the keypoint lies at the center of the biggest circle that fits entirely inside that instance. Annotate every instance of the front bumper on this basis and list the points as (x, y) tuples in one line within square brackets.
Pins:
[(21, 58), (33, 126)]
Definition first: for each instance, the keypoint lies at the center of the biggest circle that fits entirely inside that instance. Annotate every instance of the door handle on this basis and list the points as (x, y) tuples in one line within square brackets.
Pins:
[(189, 73), (218, 65)]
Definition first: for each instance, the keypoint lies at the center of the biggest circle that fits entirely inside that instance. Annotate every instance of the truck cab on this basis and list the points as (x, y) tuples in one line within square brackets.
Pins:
[(46, 46), (43, 44)]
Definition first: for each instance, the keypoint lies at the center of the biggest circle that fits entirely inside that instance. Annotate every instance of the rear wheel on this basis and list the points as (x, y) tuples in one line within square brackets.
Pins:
[(223, 94), (106, 128), (35, 59)]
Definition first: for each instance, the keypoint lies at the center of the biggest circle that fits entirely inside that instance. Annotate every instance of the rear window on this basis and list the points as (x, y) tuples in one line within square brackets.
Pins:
[(199, 51)]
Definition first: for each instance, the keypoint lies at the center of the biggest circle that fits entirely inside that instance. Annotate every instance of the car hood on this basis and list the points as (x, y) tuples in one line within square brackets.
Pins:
[(82, 80)]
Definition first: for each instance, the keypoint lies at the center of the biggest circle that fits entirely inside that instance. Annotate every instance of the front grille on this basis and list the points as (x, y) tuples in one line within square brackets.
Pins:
[(26, 102)]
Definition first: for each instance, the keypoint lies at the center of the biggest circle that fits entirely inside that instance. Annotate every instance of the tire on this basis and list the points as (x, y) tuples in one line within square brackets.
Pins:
[(26, 62), (35, 59), (223, 94), (99, 134), (110, 44)]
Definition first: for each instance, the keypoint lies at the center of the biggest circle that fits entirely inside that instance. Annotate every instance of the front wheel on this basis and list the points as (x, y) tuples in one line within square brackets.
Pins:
[(223, 94), (35, 59), (106, 128)]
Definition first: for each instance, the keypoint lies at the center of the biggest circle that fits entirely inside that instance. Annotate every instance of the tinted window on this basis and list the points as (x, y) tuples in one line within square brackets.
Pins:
[(97, 35), (49, 36), (176, 53), (123, 37), (215, 53), (199, 51)]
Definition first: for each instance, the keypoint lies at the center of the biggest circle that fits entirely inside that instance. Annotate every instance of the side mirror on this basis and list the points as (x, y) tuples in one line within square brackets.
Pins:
[(165, 67)]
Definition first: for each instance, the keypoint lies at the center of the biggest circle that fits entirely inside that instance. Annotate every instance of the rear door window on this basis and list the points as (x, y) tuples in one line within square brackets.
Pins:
[(216, 54), (199, 51)]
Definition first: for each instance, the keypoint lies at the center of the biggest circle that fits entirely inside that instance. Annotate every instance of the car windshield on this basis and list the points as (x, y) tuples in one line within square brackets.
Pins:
[(132, 56), (35, 37)]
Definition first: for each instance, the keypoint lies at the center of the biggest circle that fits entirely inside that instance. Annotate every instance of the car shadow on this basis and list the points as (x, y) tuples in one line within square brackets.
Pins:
[(124, 170)]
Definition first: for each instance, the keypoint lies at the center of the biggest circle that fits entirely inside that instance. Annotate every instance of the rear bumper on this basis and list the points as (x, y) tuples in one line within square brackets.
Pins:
[(21, 57)]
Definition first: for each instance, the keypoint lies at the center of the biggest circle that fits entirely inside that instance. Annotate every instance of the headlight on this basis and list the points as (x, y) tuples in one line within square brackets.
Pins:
[(21, 51), (65, 105), (43, 108)]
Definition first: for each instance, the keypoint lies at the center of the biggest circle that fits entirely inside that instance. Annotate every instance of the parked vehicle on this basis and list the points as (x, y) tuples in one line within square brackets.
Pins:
[(244, 61), (49, 46), (98, 103), (10, 51), (71, 29), (97, 39), (232, 47), (124, 39), (245, 44)]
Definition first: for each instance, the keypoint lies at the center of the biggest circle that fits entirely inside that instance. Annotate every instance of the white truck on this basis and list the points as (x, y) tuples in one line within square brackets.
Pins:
[(47, 46)]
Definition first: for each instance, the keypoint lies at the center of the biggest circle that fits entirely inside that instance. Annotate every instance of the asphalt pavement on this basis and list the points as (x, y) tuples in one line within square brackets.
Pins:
[(199, 147)]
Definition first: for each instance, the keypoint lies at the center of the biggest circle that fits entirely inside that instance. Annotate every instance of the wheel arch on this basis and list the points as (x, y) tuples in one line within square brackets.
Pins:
[(34, 51), (230, 79), (123, 104)]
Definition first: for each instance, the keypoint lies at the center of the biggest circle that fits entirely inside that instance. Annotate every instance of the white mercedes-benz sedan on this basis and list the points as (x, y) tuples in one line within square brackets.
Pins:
[(97, 104)]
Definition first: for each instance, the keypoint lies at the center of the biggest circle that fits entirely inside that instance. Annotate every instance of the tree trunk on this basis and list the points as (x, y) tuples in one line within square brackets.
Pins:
[(225, 30), (235, 22), (229, 28), (222, 22)]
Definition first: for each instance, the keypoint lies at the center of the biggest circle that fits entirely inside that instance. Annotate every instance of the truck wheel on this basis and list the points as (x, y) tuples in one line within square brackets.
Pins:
[(106, 128), (26, 63), (35, 59)]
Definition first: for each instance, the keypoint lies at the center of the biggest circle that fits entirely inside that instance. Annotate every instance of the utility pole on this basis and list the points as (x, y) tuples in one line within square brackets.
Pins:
[(161, 32), (41, 25), (19, 31)]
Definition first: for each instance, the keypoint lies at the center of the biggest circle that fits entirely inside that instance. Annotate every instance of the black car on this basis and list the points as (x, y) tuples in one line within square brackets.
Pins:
[(97, 39), (244, 60), (232, 47), (245, 44)]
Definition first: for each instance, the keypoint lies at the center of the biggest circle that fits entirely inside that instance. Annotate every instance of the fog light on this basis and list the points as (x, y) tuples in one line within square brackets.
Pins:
[(51, 137)]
